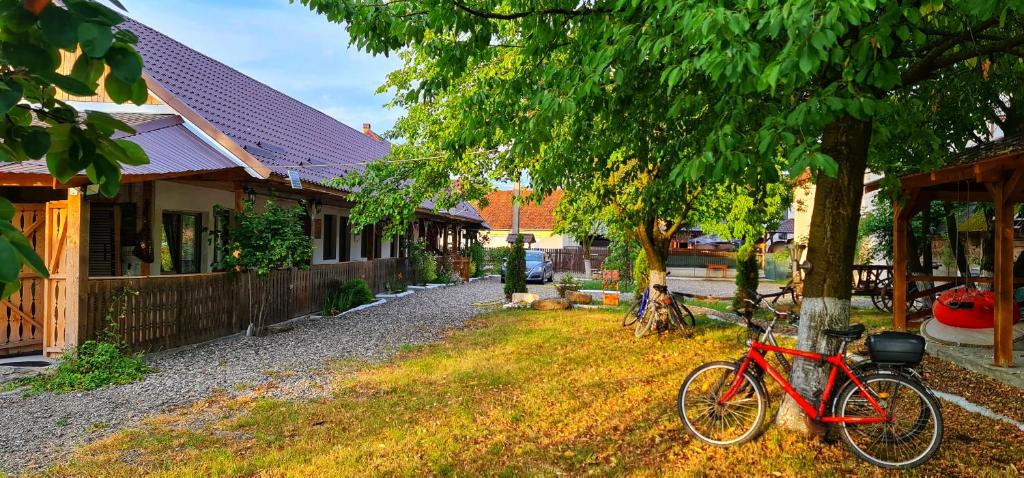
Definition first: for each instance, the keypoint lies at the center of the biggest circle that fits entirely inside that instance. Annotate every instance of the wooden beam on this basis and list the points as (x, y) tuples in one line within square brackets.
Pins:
[(200, 122), (75, 268), (901, 222), (1003, 278)]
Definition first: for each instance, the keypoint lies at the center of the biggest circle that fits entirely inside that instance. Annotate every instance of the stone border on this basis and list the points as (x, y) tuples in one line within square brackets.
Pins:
[(349, 311), (395, 296)]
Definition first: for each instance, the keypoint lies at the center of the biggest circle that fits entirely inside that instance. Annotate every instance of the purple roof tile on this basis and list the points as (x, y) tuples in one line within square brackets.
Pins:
[(278, 130), (171, 147)]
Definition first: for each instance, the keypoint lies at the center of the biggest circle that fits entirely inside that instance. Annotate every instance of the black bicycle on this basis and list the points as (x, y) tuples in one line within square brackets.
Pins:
[(659, 311)]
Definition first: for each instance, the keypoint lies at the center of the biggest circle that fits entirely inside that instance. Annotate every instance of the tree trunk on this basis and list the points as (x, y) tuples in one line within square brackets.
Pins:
[(830, 252), (587, 268), (954, 243), (747, 276)]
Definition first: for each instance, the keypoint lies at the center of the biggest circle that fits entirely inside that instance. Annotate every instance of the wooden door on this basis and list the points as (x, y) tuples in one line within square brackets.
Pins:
[(54, 312), (21, 315)]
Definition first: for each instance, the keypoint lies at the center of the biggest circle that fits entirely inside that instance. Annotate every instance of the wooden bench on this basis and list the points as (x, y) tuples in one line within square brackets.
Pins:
[(723, 268)]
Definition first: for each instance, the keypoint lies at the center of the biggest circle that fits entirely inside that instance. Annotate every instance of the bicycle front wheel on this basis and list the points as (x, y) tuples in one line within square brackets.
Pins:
[(712, 421), (646, 322), (631, 315), (913, 432)]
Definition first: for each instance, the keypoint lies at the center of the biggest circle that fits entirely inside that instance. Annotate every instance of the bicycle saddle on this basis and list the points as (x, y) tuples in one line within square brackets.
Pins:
[(852, 332)]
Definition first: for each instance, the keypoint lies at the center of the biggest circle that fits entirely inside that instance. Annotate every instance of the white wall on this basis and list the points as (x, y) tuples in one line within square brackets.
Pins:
[(545, 239)]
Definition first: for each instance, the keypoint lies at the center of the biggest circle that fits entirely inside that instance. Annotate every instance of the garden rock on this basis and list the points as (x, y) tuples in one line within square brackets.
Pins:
[(579, 297), (524, 298), (552, 304)]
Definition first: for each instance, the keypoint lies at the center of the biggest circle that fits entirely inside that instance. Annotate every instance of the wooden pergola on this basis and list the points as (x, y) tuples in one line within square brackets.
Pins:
[(992, 173)]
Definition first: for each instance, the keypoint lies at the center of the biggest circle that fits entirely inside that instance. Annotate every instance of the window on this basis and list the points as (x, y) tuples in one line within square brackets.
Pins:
[(344, 240), (330, 244), (180, 243), (394, 246), (366, 242), (102, 241)]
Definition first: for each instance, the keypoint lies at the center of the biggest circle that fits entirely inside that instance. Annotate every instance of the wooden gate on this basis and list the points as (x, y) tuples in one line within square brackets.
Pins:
[(21, 315), (56, 292)]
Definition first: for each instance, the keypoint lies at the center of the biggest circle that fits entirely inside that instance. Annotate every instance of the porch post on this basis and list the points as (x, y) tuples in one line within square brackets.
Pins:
[(899, 269), (1002, 282), (75, 265)]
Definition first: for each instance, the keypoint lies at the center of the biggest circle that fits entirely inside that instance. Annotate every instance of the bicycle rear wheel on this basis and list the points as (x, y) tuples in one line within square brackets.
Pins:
[(646, 323), (911, 436), (683, 316), (709, 420)]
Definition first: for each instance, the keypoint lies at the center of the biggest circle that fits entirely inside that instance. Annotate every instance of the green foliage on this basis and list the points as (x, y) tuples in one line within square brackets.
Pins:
[(445, 270), (622, 254), (424, 267), (97, 363), (478, 259), (36, 125), (567, 280), (351, 294), (641, 274), (497, 256), (265, 241), (397, 286), (515, 269)]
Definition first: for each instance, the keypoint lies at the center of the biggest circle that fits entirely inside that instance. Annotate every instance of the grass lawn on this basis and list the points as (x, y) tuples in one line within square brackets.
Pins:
[(519, 393)]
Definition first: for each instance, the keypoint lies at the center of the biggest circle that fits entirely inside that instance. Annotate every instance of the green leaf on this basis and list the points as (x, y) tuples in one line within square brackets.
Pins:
[(124, 63), (10, 95), (6, 209), (136, 155), (68, 84), (29, 56), (10, 288), (95, 39), (140, 92), (106, 124), (59, 27), (36, 143), (87, 70), (28, 253), (10, 261), (59, 166), (95, 12), (117, 89)]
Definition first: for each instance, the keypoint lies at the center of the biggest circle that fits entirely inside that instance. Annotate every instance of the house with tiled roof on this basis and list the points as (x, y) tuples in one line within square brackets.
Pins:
[(535, 218), (216, 138)]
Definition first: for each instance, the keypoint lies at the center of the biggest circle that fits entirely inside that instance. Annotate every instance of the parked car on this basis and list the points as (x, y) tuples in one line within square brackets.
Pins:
[(539, 267)]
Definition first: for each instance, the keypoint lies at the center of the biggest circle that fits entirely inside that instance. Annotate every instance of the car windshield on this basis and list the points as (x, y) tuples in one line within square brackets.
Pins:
[(534, 256)]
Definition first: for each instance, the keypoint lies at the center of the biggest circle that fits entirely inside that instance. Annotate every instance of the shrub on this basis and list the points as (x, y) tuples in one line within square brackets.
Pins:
[(92, 365), (351, 294), (496, 257), (97, 363), (397, 285), (356, 292), (430, 270), (515, 273), (477, 260), (445, 270), (424, 267)]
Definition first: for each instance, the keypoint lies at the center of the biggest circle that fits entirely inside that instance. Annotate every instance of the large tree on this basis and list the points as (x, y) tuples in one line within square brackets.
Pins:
[(35, 123), (557, 93), (842, 74)]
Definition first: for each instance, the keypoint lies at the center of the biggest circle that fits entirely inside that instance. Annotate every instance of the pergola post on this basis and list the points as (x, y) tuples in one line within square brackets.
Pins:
[(1002, 281), (901, 223), (74, 267)]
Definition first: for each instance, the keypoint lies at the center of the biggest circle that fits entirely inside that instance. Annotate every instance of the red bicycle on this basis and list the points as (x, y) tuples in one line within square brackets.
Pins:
[(885, 416)]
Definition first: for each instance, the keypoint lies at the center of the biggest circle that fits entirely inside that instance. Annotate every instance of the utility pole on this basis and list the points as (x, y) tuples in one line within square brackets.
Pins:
[(516, 192)]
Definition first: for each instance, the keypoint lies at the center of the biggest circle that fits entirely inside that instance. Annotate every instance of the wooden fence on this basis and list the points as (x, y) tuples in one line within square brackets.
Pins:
[(571, 259), (169, 311)]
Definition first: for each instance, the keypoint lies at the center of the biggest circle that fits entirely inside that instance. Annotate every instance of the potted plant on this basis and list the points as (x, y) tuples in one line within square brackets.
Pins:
[(565, 284)]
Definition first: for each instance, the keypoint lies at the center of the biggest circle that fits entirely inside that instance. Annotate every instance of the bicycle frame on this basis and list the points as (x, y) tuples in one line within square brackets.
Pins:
[(756, 355)]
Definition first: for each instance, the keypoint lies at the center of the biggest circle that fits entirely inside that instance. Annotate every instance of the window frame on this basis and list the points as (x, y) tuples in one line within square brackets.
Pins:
[(177, 262), (329, 243)]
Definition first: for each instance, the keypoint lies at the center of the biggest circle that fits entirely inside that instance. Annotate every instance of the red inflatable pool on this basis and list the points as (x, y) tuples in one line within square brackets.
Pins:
[(968, 308)]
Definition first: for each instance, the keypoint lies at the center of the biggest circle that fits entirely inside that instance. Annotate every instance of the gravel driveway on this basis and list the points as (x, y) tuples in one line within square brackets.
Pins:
[(37, 431)]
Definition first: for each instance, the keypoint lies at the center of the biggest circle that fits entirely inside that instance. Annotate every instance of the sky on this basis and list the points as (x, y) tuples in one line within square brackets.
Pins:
[(283, 45)]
